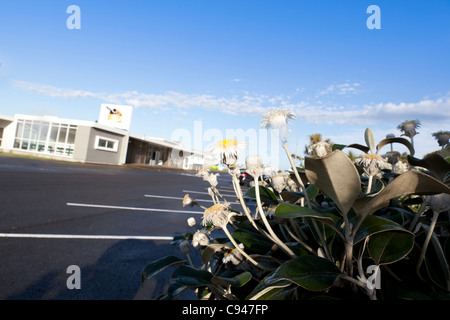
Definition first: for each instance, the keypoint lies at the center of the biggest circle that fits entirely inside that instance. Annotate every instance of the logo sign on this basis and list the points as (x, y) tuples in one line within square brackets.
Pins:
[(116, 116)]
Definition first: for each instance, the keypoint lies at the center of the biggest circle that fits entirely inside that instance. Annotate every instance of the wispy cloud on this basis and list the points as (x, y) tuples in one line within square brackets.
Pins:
[(256, 104), (341, 89), (52, 91)]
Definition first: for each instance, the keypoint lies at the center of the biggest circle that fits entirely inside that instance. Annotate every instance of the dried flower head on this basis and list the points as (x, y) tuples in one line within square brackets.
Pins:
[(185, 247), (217, 215), (442, 137), (235, 171), (277, 119), (279, 181), (234, 256), (371, 163), (203, 173), (200, 239), (254, 165), (212, 179), (319, 149), (188, 201), (191, 222), (226, 150), (438, 202), (292, 185), (409, 127)]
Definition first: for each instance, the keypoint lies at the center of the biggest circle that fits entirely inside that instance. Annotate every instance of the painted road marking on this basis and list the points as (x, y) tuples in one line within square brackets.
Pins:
[(174, 198), (80, 236), (200, 192), (130, 208)]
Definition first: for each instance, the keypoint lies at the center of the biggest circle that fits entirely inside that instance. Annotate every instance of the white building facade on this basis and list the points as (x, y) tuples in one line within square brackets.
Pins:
[(89, 142)]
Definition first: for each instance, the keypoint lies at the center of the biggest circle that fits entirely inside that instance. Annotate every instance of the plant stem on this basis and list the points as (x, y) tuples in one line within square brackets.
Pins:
[(190, 260), (349, 238), (299, 179), (308, 201), (266, 223), (426, 242), (224, 228), (299, 240), (369, 185), (238, 191), (417, 216), (349, 257)]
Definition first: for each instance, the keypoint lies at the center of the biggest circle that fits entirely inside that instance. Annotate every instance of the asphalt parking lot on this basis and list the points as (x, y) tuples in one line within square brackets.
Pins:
[(110, 221)]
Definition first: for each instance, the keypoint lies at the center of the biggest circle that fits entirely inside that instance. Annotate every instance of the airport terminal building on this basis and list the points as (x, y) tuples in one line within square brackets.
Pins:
[(106, 141)]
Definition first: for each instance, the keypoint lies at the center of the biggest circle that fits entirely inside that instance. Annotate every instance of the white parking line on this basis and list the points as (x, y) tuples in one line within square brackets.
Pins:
[(130, 208), (79, 236), (224, 189), (174, 198), (201, 192)]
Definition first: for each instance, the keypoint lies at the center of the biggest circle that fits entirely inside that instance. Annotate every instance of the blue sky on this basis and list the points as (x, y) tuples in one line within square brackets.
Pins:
[(225, 63)]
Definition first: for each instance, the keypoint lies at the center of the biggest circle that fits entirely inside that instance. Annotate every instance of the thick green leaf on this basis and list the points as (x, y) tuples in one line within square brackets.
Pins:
[(447, 248), (389, 247), (373, 225), (159, 265), (310, 272), (312, 191), (253, 241), (173, 292), (410, 182), (267, 196), (445, 153), (435, 163), (337, 146), (292, 197), (264, 292), (287, 210), (365, 149), (336, 176), (191, 277), (237, 281), (403, 141), (180, 238), (370, 139)]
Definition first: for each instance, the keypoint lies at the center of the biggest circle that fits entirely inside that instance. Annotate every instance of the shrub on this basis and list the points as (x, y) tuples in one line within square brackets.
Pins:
[(345, 230)]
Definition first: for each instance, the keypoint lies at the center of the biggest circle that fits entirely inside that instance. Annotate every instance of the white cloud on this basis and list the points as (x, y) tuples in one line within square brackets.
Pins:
[(341, 89), (52, 91), (256, 104)]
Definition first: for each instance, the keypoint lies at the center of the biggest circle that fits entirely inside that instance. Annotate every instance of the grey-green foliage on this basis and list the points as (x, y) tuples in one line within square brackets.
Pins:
[(322, 243)]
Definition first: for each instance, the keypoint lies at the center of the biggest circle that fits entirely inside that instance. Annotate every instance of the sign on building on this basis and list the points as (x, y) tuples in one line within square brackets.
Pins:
[(116, 116)]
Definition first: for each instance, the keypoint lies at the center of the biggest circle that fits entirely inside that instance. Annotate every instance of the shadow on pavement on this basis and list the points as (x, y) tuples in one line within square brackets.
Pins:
[(115, 276)]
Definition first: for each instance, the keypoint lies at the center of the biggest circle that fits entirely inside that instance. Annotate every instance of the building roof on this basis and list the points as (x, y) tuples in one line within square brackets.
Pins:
[(166, 143), (72, 122), (5, 120)]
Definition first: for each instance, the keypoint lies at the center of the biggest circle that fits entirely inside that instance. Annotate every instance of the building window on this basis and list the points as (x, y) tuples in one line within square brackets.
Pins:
[(45, 137), (106, 144)]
